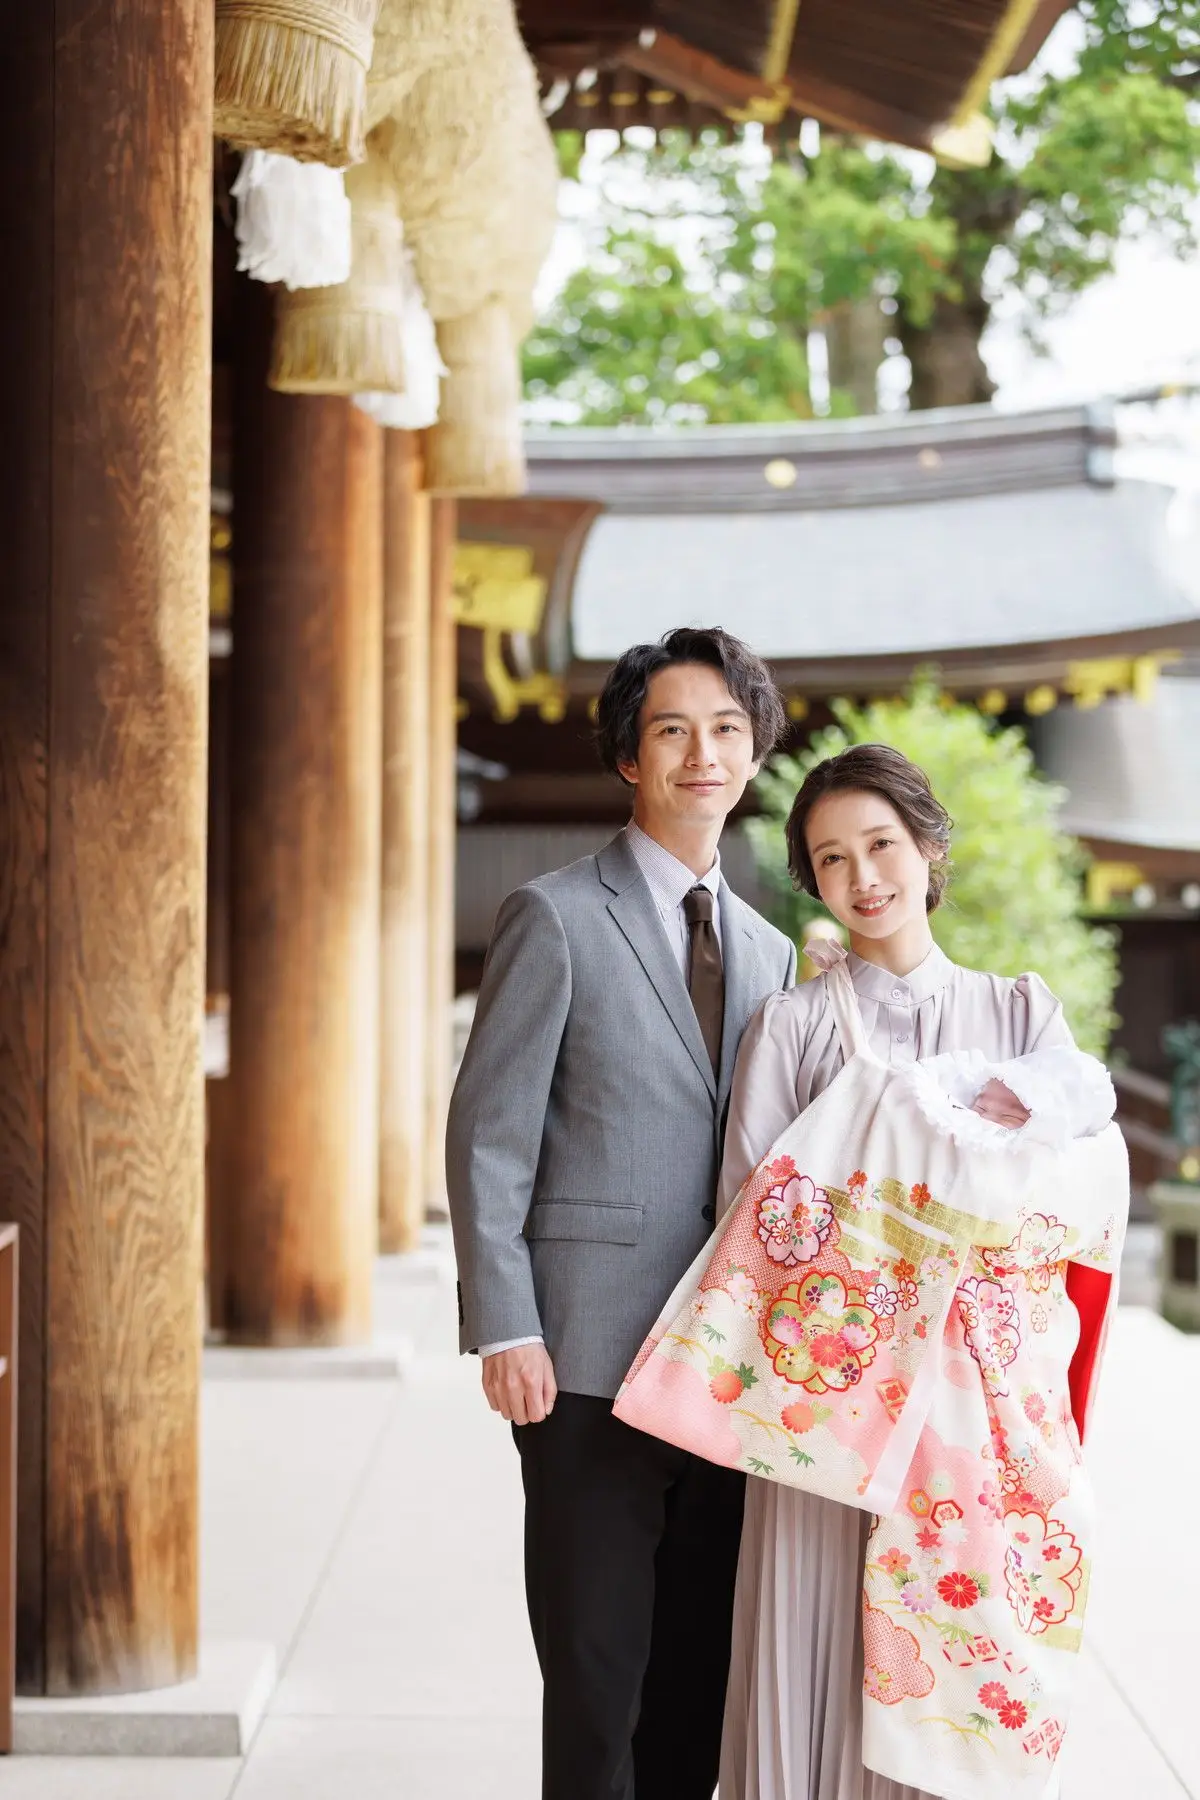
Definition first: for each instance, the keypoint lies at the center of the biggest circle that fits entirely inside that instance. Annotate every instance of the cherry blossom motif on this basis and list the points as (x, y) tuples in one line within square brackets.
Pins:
[(989, 1499), (920, 1195), (794, 1219), (893, 1561), (820, 1333), (882, 1299), (906, 1290), (1034, 1251), (744, 1292), (992, 1330), (1043, 1567), (857, 1183)]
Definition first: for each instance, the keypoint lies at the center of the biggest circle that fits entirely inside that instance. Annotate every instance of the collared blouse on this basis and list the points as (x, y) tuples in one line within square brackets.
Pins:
[(790, 1052)]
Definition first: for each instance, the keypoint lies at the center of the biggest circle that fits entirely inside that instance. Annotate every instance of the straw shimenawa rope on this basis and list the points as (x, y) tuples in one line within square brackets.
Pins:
[(291, 76), (350, 339), (475, 447)]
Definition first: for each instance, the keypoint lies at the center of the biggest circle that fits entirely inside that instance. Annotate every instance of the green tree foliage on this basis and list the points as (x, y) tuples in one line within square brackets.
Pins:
[(1014, 895), (711, 265)]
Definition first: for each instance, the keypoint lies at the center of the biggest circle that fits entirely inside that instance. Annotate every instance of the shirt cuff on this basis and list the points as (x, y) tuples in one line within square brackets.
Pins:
[(509, 1344)]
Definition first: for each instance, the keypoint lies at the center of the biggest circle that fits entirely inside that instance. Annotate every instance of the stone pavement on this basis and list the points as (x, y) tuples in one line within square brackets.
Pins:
[(370, 1529)]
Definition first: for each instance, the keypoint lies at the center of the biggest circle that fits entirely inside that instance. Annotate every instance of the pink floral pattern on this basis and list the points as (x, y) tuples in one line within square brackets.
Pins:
[(794, 1218), (1043, 1566), (803, 1348), (1034, 1252), (993, 1333), (820, 1333)]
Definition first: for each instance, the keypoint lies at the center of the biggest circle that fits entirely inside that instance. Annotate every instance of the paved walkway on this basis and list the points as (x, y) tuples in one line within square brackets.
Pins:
[(371, 1530)]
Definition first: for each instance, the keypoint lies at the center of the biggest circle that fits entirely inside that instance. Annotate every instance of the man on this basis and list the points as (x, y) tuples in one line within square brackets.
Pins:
[(582, 1161)]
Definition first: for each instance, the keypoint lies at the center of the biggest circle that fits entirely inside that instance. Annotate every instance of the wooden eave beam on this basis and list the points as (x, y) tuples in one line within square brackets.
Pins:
[(1014, 667), (708, 82), (703, 78), (550, 21)]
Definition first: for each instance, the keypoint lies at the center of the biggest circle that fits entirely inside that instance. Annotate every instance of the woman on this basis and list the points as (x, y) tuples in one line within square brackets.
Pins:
[(867, 835)]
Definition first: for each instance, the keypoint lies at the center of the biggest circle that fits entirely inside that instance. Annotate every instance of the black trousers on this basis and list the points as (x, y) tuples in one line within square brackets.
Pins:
[(631, 1552)]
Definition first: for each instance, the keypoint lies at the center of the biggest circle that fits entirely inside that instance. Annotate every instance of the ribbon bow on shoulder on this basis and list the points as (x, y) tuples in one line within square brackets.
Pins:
[(825, 953)]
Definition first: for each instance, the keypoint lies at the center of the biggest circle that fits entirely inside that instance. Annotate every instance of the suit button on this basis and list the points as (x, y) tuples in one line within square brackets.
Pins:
[(709, 1213)]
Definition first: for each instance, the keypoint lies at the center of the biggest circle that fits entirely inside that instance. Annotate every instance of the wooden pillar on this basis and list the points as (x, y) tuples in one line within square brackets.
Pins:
[(294, 1228), (404, 939), (443, 750), (106, 129)]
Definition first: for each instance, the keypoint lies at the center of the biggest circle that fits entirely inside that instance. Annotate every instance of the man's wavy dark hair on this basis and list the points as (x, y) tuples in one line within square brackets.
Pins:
[(746, 676)]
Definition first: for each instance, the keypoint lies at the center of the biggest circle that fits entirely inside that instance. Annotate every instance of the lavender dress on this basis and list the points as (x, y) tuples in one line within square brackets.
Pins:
[(793, 1713)]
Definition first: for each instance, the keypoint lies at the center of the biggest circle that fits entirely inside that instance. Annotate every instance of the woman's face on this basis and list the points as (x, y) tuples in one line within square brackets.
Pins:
[(871, 873)]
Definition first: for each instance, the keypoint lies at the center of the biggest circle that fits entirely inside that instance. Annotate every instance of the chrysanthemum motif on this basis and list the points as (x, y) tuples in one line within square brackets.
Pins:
[(794, 1220), (821, 1334)]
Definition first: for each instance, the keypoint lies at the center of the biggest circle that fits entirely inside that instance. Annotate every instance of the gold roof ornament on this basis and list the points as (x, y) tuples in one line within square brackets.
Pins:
[(496, 592), (965, 141), (1106, 882), (1096, 678)]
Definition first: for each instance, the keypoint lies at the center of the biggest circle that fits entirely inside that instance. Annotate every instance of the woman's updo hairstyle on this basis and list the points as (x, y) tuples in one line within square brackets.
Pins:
[(878, 769)]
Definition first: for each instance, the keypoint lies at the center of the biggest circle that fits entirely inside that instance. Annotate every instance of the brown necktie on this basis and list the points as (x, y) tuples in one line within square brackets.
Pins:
[(706, 978)]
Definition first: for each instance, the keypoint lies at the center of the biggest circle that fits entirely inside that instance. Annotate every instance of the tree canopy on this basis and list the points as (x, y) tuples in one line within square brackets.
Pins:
[(710, 263)]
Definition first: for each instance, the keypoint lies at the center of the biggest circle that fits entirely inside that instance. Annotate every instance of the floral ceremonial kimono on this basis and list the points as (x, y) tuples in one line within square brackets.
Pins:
[(887, 1318)]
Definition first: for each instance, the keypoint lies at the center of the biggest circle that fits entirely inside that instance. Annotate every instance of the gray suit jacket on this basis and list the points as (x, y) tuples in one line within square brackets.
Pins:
[(585, 1129)]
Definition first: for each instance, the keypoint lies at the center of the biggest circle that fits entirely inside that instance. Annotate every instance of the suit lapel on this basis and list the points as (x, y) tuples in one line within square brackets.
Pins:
[(636, 916), (742, 982)]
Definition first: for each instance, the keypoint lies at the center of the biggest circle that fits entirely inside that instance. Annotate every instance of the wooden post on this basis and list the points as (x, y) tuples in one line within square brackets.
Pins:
[(443, 751), (9, 1282), (294, 1226), (404, 957), (106, 110)]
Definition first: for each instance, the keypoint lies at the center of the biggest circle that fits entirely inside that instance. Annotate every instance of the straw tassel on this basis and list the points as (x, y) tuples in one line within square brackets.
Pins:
[(291, 76), (347, 339), (476, 448)]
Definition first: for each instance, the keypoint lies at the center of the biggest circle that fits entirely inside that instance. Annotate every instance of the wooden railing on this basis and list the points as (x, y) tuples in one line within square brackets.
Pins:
[(8, 1480), (1144, 1115)]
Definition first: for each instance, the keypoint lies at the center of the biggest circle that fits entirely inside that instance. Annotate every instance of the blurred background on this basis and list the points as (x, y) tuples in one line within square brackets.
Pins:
[(384, 369)]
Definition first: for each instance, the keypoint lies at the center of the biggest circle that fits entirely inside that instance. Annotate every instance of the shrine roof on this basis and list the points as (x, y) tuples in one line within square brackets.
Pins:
[(898, 73), (834, 586)]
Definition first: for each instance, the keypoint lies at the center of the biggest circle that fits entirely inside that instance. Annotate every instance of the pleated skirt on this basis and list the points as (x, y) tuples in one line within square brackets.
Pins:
[(793, 1711)]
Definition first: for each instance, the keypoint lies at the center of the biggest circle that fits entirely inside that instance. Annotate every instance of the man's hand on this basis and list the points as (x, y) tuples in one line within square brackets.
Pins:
[(999, 1104), (520, 1384)]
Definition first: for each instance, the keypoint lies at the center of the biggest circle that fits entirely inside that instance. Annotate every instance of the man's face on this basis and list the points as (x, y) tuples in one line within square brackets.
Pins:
[(695, 751)]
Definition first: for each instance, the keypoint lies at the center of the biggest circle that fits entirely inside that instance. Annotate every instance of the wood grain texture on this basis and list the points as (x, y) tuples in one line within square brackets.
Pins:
[(295, 1226), (104, 663), (443, 748), (125, 938), (9, 1388), (404, 896), (27, 232)]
